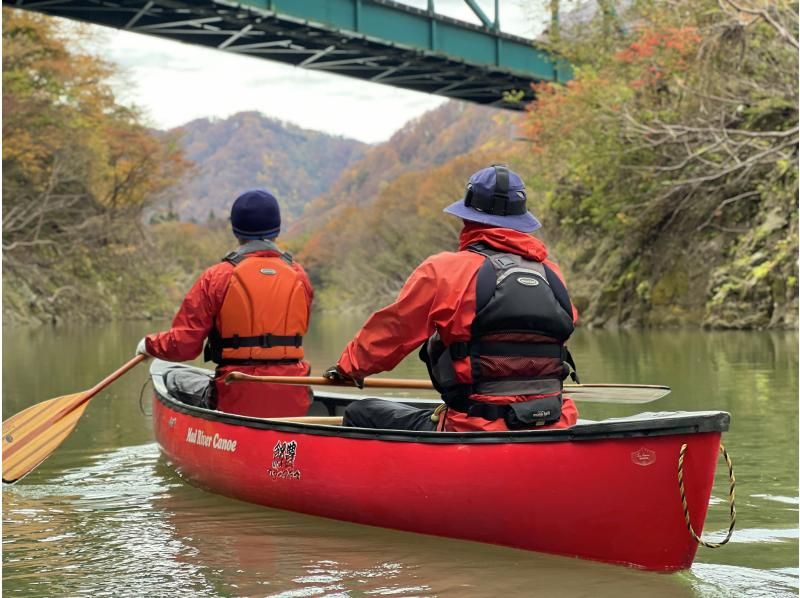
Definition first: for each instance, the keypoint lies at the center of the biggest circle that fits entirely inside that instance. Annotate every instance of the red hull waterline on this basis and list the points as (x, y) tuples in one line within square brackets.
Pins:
[(605, 491)]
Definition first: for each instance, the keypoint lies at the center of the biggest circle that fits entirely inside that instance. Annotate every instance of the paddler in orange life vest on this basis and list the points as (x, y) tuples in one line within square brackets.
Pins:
[(252, 309), (491, 319)]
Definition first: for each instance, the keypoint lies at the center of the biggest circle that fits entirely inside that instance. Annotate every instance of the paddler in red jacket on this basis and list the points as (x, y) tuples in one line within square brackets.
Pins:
[(492, 320), (253, 309)]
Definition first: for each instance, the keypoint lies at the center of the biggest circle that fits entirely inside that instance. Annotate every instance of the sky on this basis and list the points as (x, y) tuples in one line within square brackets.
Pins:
[(174, 83)]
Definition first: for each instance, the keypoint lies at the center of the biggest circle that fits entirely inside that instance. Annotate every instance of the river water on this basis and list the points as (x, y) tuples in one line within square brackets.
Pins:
[(105, 515)]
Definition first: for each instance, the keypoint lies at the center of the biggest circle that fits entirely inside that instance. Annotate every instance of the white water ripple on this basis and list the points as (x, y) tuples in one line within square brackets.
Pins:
[(727, 581)]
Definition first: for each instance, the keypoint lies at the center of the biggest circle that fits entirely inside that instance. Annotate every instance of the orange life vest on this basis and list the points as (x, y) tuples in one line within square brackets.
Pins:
[(264, 314)]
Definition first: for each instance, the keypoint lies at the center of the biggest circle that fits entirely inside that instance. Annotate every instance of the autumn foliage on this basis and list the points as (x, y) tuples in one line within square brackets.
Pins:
[(664, 174), (360, 240), (669, 164), (78, 168)]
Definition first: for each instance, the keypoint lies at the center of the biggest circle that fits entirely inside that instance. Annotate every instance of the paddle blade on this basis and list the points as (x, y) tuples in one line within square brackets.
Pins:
[(621, 394), (30, 436)]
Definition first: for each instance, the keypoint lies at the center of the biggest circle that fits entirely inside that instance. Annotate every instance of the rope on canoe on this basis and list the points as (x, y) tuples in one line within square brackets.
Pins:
[(141, 397), (731, 499)]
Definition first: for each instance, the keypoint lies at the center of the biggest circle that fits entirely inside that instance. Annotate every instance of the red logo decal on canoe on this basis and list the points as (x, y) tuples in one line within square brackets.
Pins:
[(283, 456), (643, 457)]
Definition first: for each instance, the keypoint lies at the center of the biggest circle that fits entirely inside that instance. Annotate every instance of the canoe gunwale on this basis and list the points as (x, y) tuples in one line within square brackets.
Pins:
[(657, 424)]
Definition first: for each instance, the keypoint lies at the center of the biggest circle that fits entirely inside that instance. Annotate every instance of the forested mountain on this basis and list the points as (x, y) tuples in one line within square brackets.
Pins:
[(670, 165), (249, 150), (426, 142)]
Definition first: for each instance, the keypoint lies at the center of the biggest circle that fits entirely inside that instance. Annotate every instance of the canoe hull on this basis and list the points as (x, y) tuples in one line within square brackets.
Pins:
[(607, 499)]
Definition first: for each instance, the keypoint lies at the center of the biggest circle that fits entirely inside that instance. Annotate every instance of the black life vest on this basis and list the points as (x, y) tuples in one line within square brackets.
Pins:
[(523, 318)]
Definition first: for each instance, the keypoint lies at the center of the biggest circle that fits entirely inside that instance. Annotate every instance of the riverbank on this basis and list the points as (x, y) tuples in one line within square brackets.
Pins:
[(143, 279)]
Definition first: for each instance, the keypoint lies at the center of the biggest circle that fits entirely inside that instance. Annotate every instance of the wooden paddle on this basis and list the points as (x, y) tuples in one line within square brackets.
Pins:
[(597, 393), (30, 436)]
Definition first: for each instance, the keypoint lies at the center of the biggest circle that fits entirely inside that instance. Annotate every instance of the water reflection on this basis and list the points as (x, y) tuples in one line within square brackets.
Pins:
[(106, 516), (296, 555)]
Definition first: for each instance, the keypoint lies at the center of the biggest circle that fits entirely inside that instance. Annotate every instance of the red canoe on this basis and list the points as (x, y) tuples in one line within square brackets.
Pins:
[(606, 490)]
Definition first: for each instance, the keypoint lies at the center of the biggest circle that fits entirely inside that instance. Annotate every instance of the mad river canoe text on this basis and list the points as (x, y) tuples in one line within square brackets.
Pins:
[(216, 441)]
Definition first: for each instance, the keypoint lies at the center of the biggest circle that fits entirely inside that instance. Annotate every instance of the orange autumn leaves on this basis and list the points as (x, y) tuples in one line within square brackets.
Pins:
[(62, 125), (640, 66)]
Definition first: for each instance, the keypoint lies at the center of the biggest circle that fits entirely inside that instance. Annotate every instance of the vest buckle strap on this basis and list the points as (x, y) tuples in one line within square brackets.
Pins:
[(516, 349), (486, 411), (571, 363), (504, 387), (264, 341)]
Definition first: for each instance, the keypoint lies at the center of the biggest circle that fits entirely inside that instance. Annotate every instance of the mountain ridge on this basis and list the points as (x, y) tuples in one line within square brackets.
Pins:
[(249, 149)]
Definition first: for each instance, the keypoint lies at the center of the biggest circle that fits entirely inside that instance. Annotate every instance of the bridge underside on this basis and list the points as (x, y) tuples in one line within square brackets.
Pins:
[(435, 54)]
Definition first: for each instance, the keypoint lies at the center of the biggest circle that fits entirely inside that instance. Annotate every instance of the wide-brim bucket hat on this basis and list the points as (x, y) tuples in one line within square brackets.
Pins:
[(496, 196)]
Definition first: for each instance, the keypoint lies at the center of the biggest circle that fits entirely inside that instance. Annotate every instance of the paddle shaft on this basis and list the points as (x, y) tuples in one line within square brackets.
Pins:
[(391, 382), (319, 420), (320, 381), (113, 376), (602, 393), (86, 396)]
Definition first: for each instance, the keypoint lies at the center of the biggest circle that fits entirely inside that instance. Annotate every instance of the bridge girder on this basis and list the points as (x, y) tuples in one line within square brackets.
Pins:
[(335, 42)]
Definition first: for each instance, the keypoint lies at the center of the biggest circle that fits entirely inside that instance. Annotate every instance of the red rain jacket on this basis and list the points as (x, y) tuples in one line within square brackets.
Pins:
[(440, 295), (192, 325)]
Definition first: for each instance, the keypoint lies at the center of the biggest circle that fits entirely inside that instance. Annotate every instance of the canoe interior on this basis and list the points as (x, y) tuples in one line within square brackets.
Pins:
[(327, 403)]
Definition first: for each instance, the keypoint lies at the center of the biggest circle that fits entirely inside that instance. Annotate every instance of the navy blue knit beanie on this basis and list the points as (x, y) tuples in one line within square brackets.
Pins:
[(255, 215)]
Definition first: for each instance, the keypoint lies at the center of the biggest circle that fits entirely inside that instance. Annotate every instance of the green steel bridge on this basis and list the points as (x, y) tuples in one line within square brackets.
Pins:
[(374, 40)]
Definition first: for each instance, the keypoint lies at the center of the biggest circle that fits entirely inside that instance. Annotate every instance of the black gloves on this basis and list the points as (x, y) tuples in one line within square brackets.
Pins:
[(334, 374)]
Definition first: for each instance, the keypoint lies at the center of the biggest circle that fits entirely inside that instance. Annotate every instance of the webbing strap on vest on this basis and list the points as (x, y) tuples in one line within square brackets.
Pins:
[(571, 363), (260, 362), (480, 409), (265, 341), (511, 349), (215, 344), (503, 387)]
